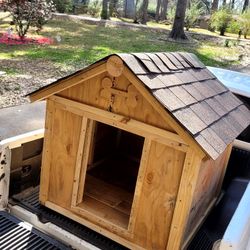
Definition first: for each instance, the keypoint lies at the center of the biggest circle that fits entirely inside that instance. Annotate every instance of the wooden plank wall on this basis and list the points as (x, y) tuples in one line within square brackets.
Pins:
[(59, 159), (89, 93), (158, 196), (157, 185), (160, 172), (207, 189)]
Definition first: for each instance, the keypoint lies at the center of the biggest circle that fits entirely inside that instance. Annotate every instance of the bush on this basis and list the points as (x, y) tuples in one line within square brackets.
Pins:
[(221, 19), (193, 13), (171, 13), (244, 21), (234, 27), (94, 8), (26, 13), (63, 6)]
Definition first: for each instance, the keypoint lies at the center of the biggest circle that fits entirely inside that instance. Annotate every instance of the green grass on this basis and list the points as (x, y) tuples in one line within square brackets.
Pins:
[(83, 44)]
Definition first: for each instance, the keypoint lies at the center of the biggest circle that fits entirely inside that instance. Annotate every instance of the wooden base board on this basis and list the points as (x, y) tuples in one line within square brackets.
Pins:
[(77, 218)]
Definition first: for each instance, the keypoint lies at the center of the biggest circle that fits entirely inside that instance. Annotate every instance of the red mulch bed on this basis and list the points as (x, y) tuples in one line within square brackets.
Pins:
[(16, 40)]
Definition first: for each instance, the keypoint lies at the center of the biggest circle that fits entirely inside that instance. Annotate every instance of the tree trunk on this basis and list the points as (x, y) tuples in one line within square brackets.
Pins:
[(163, 14), (232, 4), (215, 5), (111, 7), (222, 31), (104, 13), (129, 8), (144, 12), (177, 31), (136, 17), (224, 2), (245, 5), (157, 11)]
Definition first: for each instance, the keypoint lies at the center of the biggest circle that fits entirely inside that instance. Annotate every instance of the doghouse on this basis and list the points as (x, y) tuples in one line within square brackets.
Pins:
[(136, 146)]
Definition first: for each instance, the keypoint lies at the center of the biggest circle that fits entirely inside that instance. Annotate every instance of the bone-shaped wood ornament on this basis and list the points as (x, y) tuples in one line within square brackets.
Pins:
[(109, 92)]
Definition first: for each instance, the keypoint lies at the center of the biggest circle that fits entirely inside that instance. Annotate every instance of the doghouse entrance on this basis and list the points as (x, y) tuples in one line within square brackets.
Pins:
[(113, 164)]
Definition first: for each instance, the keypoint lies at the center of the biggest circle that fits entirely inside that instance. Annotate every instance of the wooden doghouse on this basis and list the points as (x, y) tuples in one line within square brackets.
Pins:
[(136, 146)]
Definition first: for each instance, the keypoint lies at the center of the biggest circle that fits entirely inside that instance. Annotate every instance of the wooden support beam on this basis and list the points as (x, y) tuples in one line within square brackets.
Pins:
[(85, 158), (122, 122), (184, 199), (46, 158), (139, 184), (78, 166), (67, 82)]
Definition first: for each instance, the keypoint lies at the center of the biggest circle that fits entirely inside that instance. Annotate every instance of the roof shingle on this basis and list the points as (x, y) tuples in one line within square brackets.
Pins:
[(192, 95)]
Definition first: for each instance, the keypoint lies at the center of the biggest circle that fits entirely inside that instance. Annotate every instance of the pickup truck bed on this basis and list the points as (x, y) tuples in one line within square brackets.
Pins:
[(17, 137), (16, 234)]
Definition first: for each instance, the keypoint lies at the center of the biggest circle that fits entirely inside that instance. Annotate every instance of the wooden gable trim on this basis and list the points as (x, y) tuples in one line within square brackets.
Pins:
[(68, 82), (122, 122), (163, 113)]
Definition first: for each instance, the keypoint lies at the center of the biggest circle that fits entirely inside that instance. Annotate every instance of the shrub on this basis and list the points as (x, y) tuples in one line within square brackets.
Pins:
[(193, 13), (63, 6), (221, 19), (171, 13), (27, 13), (234, 27), (94, 8), (244, 21)]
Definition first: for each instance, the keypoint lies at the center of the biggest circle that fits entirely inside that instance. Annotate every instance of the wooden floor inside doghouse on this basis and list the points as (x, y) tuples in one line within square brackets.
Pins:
[(111, 176), (107, 201)]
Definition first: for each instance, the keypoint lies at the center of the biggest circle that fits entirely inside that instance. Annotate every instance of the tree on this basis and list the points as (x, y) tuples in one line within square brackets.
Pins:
[(161, 10), (177, 31), (113, 7), (144, 12), (245, 5), (221, 19), (129, 8), (141, 15), (104, 13), (157, 11), (215, 5), (26, 13)]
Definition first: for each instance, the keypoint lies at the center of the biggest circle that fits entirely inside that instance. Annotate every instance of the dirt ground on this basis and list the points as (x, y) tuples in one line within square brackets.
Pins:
[(14, 87)]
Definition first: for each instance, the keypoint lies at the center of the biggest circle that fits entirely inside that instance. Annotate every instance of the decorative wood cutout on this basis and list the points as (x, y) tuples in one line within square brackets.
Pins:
[(109, 92), (115, 66)]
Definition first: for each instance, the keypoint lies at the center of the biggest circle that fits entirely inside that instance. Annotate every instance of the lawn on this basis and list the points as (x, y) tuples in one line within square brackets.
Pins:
[(82, 44)]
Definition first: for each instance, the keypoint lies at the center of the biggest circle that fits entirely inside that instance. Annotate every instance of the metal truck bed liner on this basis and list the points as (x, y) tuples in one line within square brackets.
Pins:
[(28, 199), (15, 234)]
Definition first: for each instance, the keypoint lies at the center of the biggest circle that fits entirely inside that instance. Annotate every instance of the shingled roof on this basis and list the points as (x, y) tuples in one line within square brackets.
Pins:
[(193, 95)]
